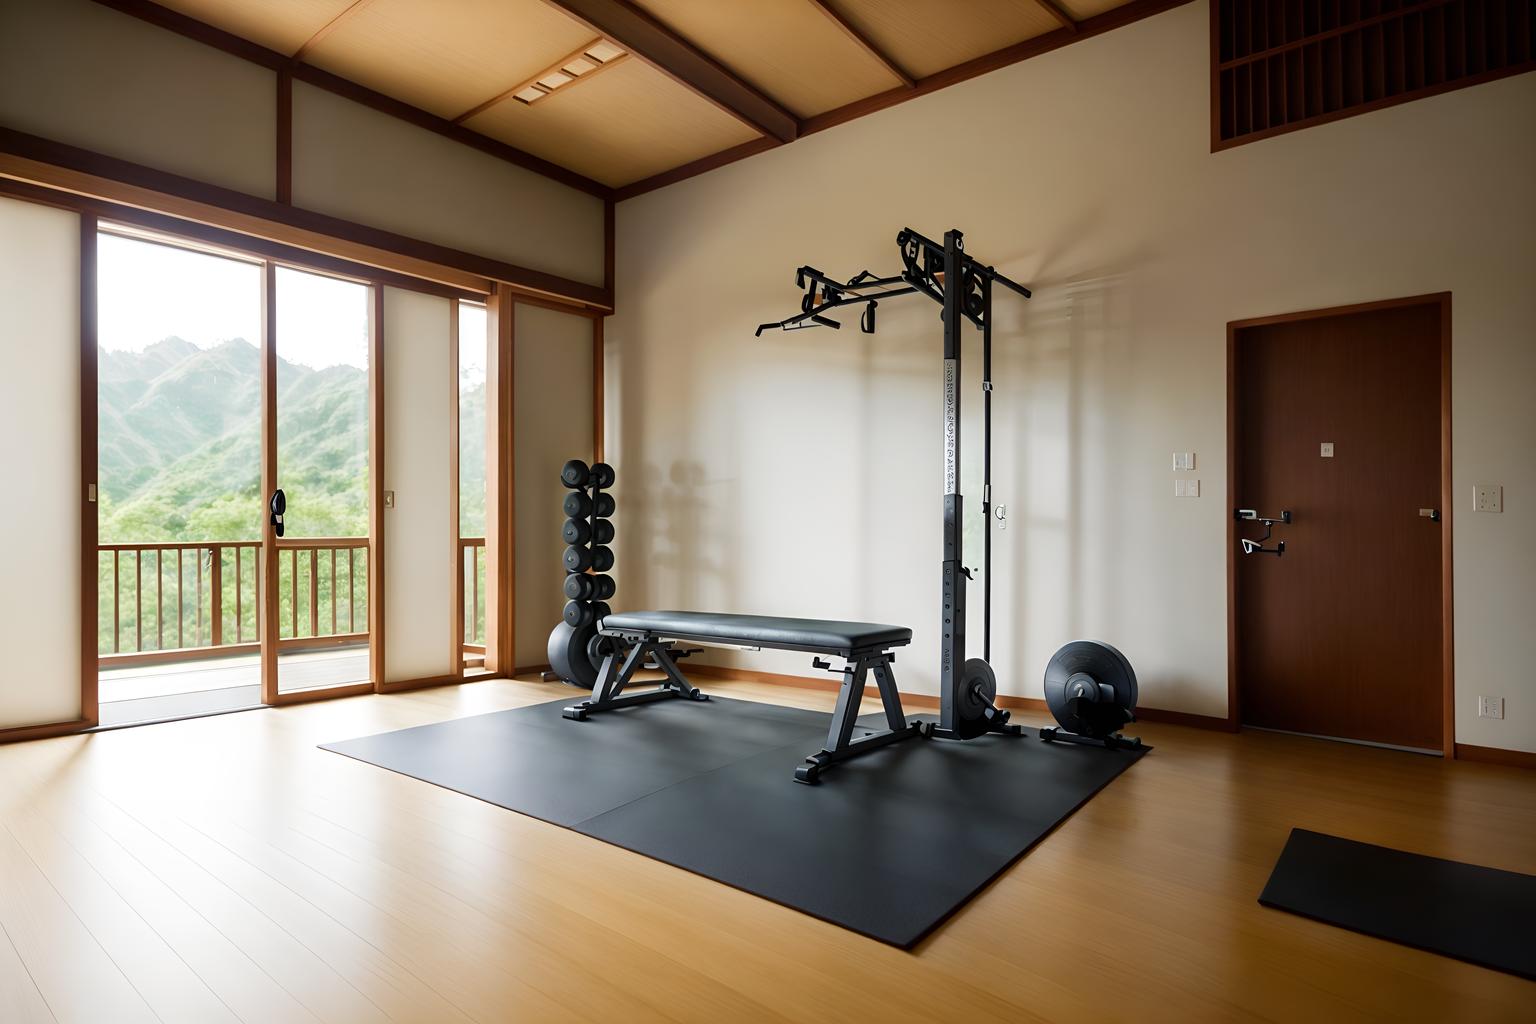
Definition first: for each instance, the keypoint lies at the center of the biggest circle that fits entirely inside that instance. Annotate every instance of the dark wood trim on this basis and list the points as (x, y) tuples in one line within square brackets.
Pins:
[(1218, 144), (866, 44), (668, 52), (270, 627), (1086, 29), (1062, 17), (456, 627), (329, 27), (22, 733), (696, 167), (58, 154), (598, 425), (233, 241), (90, 712), (1468, 752), (1442, 300), (191, 28), (284, 186), (376, 523), (1184, 718)]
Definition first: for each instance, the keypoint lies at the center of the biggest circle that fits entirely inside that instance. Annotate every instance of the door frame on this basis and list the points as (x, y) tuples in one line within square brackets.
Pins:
[(1442, 301)]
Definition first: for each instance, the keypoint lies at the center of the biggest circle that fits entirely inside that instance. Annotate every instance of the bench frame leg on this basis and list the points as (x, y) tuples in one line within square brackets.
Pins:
[(842, 745), (615, 675)]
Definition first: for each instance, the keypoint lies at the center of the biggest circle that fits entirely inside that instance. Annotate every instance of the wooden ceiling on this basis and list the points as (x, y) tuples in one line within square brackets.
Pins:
[(696, 82)]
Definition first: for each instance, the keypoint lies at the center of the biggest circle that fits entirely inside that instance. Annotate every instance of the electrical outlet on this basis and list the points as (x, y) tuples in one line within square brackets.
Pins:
[(1487, 498), (1490, 707), (1186, 488), (1325, 450)]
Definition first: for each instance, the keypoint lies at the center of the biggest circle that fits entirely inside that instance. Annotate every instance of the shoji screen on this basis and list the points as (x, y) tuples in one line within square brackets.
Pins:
[(552, 422), (420, 381), (40, 454)]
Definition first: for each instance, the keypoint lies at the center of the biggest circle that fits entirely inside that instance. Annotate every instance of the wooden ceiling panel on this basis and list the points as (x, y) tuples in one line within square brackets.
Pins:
[(927, 36), (447, 57), (787, 49), (281, 25), (1083, 9), (625, 124)]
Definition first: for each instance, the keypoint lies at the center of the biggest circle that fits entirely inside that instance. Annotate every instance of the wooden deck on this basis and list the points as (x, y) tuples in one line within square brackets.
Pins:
[(227, 869)]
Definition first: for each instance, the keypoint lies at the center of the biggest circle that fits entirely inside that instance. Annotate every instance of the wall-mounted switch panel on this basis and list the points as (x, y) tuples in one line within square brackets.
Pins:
[(1490, 707), (1183, 461), (1488, 498), (1325, 450), (389, 499), (1186, 488)]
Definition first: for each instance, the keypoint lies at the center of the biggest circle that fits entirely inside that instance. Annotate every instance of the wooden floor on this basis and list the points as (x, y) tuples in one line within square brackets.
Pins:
[(226, 869)]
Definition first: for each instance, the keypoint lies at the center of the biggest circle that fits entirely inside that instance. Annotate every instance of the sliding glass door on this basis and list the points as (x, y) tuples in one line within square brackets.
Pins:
[(321, 350)]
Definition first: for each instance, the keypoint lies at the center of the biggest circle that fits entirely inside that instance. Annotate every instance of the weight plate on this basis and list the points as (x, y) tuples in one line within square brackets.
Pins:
[(976, 692), (568, 654), (575, 473), (1106, 666), (602, 475), (577, 505)]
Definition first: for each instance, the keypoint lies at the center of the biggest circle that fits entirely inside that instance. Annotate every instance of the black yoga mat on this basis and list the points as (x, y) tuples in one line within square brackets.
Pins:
[(1481, 915), (887, 845)]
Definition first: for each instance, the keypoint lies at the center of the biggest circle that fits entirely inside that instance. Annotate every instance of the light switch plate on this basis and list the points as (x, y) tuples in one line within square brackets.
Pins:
[(1487, 498), (389, 499), (1183, 461), (1186, 488), (1490, 707), (1326, 449)]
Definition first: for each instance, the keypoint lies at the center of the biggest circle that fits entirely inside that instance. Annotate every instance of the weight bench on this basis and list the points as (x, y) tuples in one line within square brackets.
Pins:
[(865, 647)]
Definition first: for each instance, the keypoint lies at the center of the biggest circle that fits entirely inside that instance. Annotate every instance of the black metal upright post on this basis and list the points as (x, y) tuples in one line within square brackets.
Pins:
[(952, 628), (986, 468)]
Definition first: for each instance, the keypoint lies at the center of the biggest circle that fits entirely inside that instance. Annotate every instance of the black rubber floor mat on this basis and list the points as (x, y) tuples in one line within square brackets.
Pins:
[(1478, 914), (887, 845)]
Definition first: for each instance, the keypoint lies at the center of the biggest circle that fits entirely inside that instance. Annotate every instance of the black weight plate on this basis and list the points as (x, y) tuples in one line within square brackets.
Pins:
[(598, 648), (605, 506), (1105, 664), (575, 473), (977, 691), (602, 558), (577, 559), (576, 531), (605, 587), (568, 654), (578, 613), (580, 587), (577, 505), (602, 475), (602, 532)]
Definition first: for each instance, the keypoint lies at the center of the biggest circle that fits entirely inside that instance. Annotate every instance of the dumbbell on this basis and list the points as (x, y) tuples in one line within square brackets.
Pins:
[(600, 610), (605, 505), (578, 614), (602, 475), (602, 558), (605, 587), (579, 531), (602, 533), (578, 559), (580, 587), (578, 506), (576, 474)]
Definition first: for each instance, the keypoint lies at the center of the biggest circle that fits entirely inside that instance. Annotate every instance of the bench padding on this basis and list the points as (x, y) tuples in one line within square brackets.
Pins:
[(819, 635)]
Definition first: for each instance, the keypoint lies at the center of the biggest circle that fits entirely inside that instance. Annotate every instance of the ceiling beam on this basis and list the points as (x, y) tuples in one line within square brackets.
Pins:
[(668, 52), (1054, 10), (228, 42), (329, 27), (866, 44)]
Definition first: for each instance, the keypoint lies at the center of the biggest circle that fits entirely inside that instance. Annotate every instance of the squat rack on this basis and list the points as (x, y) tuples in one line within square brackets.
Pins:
[(962, 286)]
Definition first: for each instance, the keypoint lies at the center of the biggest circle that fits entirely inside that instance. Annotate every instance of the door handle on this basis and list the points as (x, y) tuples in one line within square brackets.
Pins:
[(278, 505), (1432, 514)]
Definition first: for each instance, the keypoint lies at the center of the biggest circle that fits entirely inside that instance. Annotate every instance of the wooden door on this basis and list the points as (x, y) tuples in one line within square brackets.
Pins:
[(1343, 634)]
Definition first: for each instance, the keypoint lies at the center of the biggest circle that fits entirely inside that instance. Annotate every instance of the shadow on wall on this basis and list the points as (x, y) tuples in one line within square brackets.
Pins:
[(688, 534)]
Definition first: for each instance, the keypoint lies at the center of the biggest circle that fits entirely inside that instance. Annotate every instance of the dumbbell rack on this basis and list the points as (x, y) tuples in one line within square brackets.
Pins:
[(587, 531)]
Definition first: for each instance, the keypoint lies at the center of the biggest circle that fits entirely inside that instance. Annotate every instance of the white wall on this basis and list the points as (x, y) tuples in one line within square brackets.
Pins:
[(40, 460), (421, 531), (800, 473), (552, 422), (77, 72)]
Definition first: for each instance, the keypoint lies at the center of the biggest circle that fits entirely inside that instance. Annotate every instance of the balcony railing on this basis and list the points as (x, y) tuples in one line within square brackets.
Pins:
[(176, 601), (472, 597)]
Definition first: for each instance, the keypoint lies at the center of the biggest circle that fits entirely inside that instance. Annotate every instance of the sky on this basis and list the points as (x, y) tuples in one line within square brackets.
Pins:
[(148, 292)]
